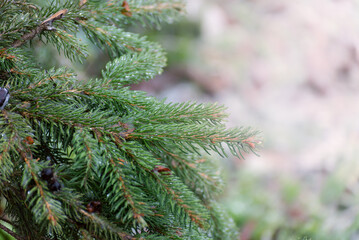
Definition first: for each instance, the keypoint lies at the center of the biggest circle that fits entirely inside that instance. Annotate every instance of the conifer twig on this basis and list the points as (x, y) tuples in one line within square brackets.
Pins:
[(14, 235), (5, 220), (44, 26)]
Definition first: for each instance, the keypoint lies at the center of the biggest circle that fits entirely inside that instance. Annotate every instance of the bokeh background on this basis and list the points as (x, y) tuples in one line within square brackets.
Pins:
[(289, 69)]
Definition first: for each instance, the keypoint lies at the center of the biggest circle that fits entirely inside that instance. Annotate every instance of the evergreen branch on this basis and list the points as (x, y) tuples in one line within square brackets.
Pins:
[(25, 5), (47, 210), (138, 213), (15, 67), (44, 26), (12, 135), (52, 136), (130, 164), (14, 14), (11, 30), (133, 68), (51, 217), (14, 235), (116, 41), (104, 225), (150, 111), (221, 228), (52, 81), (171, 185), (197, 218), (18, 211), (98, 227), (210, 137), (5, 220), (187, 112), (5, 159), (87, 158), (89, 162), (86, 235), (146, 12), (72, 115), (203, 184), (155, 219), (72, 47), (129, 196), (123, 98)]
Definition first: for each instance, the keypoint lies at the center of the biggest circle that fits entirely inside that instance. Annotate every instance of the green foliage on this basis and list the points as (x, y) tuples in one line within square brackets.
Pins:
[(123, 165)]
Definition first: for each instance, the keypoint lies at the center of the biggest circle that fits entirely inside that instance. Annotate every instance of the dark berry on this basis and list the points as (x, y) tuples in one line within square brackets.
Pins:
[(4, 97), (94, 206), (47, 173), (90, 208), (54, 185)]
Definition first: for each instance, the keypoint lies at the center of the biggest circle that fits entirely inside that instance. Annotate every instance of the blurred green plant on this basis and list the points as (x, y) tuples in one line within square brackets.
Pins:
[(284, 208)]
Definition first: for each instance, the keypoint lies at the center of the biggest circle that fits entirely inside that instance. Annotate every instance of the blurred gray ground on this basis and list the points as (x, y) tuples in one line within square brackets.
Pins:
[(289, 69)]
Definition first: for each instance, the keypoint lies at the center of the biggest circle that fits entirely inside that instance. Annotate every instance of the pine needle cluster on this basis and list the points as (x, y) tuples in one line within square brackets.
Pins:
[(93, 159)]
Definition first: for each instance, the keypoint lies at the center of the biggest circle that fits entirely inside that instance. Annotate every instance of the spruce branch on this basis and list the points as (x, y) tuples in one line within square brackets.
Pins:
[(101, 225), (50, 214), (127, 201), (149, 13), (204, 183), (44, 26), (92, 159), (25, 5), (5, 220), (92, 225), (14, 235), (179, 196)]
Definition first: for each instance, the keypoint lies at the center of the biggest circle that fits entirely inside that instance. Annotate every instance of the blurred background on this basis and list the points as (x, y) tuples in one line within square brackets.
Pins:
[(289, 69)]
